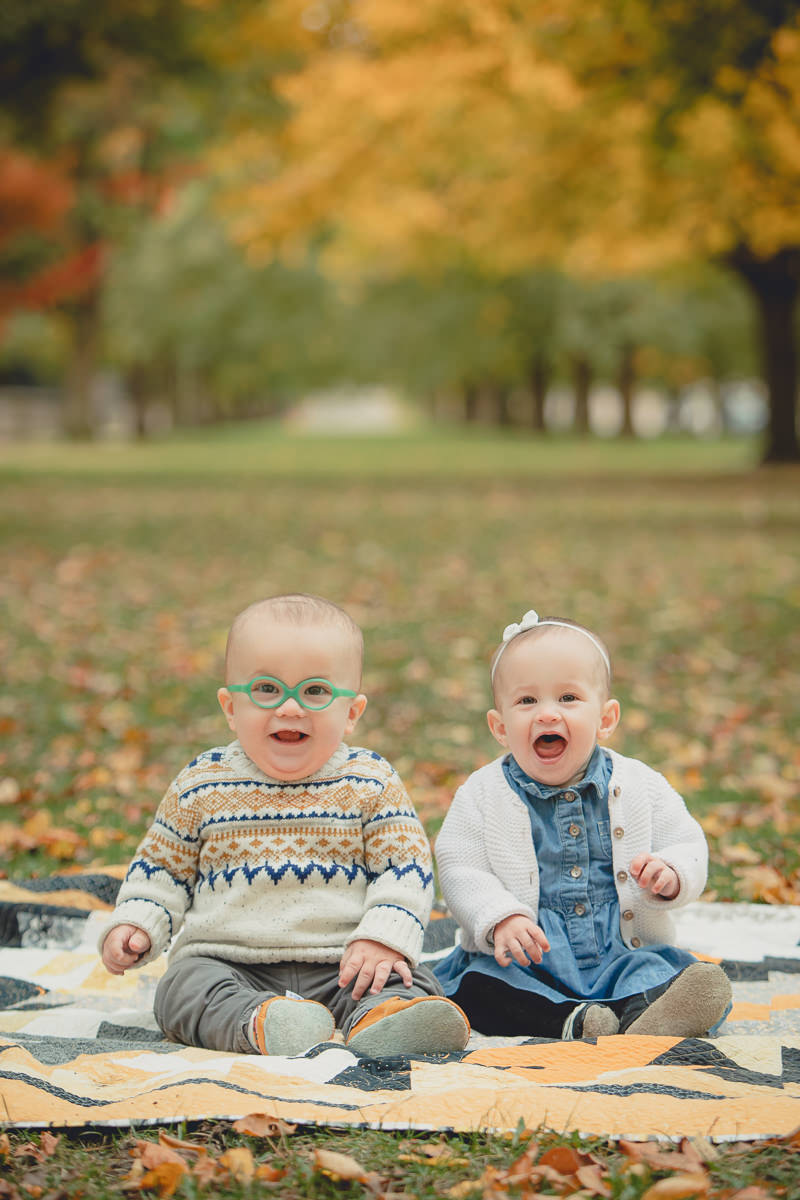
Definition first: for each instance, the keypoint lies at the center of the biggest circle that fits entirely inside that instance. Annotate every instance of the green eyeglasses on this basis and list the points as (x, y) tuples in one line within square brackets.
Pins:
[(268, 692)]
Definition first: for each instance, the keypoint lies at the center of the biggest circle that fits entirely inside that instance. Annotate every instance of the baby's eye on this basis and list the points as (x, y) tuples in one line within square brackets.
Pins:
[(317, 689), (527, 700), (568, 698), (264, 687)]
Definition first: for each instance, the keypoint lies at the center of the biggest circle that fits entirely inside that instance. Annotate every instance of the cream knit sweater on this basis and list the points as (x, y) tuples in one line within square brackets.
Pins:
[(251, 869), (488, 868)]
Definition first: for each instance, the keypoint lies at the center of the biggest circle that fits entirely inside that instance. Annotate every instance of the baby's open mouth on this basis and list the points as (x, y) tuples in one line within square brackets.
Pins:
[(289, 735), (550, 745)]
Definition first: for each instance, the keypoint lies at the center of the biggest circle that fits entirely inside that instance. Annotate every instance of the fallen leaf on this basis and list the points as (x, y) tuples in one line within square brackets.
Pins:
[(678, 1187), (166, 1139), (163, 1177), (338, 1166), (269, 1173), (262, 1125), (564, 1159), (154, 1154), (239, 1162)]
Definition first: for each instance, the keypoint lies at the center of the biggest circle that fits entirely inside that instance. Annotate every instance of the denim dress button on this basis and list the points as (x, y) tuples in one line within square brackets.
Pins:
[(570, 796), (575, 830), (575, 872), (579, 909)]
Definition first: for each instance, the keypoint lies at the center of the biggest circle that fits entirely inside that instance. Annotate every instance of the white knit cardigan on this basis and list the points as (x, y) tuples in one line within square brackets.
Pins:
[(488, 868)]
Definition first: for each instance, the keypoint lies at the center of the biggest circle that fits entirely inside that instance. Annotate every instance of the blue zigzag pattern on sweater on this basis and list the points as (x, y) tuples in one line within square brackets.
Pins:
[(151, 869), (303, 873), (399, 872)]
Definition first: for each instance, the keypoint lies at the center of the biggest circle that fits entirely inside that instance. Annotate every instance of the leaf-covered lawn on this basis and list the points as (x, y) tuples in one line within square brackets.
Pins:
[(120, 576), (118, 587)]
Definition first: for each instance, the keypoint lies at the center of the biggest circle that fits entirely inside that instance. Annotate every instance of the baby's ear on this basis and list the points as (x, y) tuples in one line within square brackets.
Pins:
[(226, 704), (497, 726), (355, 712), (609, 719)]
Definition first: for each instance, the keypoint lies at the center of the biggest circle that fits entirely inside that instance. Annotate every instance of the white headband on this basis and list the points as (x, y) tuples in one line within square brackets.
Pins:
[(531, 621)]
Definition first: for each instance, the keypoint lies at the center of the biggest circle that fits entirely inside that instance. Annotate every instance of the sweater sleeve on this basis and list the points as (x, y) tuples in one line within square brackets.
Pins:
[(679, 839), (474, 894), (399, 867), (159, 884)]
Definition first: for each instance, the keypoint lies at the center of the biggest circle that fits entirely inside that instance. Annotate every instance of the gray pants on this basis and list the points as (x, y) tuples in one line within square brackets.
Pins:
[(209, 1001)]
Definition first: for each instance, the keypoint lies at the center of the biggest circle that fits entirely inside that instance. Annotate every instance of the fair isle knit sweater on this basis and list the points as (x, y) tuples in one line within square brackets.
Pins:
[(243, 867)]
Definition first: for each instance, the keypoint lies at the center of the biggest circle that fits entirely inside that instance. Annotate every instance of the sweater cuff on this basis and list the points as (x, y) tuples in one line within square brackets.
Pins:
[(392, 926), (147, 915)]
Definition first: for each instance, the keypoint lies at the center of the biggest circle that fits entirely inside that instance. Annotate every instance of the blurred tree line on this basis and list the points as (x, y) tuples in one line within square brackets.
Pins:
[(233, 201)]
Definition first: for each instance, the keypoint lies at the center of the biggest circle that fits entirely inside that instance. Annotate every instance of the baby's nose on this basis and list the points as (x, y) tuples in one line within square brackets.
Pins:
[(290, 706)]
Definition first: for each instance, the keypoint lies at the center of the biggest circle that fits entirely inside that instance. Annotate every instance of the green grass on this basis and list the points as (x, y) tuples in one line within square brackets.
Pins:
[(269, 451), (123, 565)]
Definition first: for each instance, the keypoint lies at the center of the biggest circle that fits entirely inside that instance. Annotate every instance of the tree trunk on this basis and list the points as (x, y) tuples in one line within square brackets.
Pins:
[(775, 283), (539, 379), (139, 388), (499, 394), (582, 381), (470, 403), (625, 384), (78, 416)]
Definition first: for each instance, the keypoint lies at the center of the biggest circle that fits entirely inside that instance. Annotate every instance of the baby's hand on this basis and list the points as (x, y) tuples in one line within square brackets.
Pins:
[(123, 948), (519, 938), (372, 963), (652, 873)]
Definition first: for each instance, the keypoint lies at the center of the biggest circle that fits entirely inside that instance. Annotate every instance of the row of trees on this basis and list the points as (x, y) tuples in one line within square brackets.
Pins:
[(232, 200)]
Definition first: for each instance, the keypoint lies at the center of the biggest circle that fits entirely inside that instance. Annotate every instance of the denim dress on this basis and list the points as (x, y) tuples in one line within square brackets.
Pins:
[(578, 904)]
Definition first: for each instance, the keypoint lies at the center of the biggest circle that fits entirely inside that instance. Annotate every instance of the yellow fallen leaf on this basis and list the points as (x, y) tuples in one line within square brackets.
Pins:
[(678, 1187), (239, 1162), (338, 1166)]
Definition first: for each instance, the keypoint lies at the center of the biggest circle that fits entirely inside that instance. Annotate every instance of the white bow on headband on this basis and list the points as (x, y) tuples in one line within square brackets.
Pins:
[(531, 621)]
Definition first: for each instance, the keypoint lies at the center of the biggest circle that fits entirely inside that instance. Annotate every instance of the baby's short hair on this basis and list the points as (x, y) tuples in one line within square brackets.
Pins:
[(553, 624), (298, 608)]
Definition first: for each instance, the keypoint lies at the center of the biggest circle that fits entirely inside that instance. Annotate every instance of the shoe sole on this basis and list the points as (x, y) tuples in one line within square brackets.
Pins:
[(431, 1026), (294, 1026), (691, 1006)]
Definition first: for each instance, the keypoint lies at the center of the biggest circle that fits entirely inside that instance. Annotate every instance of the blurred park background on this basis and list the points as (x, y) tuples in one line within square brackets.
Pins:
[(442, 310), (568, 215)]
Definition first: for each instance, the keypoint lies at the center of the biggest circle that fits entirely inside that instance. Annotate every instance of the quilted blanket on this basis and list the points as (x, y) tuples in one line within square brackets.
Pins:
[(80, 1047)]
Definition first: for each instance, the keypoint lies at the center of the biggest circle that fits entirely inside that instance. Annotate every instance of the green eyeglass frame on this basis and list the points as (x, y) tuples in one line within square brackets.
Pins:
[(312, 702)]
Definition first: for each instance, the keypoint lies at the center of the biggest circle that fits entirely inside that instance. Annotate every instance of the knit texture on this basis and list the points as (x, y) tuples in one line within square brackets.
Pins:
[(251, 869), (488, 867)]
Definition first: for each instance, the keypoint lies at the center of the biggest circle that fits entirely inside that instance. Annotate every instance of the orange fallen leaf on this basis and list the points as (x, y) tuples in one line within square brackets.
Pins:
[(269, 1173), (163, 1178), (262, 1125), (166, 1139), (154, 1154)]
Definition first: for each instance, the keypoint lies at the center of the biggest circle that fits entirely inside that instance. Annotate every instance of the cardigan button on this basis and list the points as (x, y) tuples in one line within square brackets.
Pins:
[(619, 832), (617, 792), (636, 942), (627, 915), (622, 876)]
